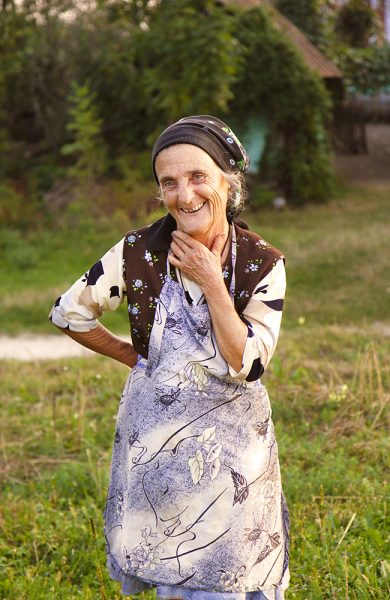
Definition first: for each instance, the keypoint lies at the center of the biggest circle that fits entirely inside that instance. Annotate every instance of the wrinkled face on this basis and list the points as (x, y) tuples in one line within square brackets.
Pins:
[(194, 190)]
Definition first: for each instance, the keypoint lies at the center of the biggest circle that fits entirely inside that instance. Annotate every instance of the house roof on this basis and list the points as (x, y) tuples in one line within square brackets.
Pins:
[(312, 56)]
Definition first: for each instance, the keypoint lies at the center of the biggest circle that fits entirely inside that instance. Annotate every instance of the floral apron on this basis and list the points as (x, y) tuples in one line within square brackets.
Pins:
[(195, 496)]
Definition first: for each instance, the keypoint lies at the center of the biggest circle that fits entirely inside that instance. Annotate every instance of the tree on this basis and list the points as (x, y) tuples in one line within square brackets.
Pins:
[(103, 49), (189, 57), (85, 125), (136, 12), (148, 63), (308, 15), (356, 23), (35, 72)]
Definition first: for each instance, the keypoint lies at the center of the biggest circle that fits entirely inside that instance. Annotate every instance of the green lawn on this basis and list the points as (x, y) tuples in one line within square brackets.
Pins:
[(328, 382)]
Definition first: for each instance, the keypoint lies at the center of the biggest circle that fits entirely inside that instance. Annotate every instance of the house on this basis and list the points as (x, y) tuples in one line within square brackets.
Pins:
[(254, 134)]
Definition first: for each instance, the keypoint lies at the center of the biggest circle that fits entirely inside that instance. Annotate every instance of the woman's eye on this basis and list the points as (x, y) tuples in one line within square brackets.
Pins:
[(198, 177), (168, 184)]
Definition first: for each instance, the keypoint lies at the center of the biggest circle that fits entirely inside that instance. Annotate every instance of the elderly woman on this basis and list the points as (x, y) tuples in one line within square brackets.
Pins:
[(195, 505)]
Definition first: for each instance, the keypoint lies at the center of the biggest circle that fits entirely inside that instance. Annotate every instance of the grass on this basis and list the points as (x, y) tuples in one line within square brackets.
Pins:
[(337, 257), (37, 268), (328, 382), (58, 423)]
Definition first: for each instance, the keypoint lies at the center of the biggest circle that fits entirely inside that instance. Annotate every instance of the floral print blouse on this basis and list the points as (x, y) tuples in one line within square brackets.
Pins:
[(103, 288)]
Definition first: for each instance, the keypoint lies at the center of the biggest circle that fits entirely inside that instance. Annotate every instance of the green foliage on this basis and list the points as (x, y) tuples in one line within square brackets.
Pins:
[(136, 12), (260, 196), (190, 57), (274, 80), (356, 22), (365, 70), (103, 49), (18, 209), (85, 126), (140, 78), (11, 204), (4, 150), (307, 15), (35, 71)]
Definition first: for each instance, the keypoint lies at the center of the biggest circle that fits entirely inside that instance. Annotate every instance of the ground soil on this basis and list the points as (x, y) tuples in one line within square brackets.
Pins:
[(374, 167)]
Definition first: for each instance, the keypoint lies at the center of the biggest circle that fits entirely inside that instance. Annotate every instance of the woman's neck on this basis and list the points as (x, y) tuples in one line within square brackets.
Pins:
[(208, 238)]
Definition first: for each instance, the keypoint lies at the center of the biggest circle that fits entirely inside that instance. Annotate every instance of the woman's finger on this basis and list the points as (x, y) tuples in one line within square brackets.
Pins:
[(219, 244), (174, 260), (184, 239), (177, 250)]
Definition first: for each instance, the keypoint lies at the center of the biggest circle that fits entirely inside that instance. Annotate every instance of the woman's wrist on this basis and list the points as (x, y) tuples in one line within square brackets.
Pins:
[(215, 285), (104, 342), (129, 355)]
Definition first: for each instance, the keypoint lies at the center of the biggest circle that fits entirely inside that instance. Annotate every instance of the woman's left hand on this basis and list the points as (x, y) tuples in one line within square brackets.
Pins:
[(203, 266), (195, 260)]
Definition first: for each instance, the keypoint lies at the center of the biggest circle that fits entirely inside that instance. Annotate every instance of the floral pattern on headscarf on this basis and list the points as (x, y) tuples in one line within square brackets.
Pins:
[(211, 135)]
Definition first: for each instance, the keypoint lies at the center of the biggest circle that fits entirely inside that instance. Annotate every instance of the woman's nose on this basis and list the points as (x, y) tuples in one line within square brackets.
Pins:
[(184, 192)]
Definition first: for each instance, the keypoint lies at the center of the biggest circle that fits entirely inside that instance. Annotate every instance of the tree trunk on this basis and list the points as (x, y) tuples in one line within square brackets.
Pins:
[(6, 3)]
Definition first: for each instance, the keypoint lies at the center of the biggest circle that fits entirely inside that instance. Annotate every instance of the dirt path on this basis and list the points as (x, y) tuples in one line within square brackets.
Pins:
[(47, 347), (371, 168), (41, 347)]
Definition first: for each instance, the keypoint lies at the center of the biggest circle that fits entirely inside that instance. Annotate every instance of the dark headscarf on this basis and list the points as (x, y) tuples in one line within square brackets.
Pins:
[(211, 135)]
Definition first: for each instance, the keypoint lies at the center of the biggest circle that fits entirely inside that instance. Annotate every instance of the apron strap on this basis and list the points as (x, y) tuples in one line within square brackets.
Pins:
[(232, 287)]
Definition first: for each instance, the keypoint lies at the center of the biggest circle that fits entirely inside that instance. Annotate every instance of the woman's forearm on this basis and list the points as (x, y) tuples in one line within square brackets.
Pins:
[(104, 342), (230, 331)]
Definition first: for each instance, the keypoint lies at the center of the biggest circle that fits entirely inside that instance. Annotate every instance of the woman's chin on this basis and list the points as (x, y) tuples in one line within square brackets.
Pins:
[(200, 225), (194, 224)]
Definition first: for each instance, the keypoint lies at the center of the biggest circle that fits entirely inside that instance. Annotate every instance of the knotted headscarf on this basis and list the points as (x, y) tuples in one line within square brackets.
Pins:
[(211, 135)]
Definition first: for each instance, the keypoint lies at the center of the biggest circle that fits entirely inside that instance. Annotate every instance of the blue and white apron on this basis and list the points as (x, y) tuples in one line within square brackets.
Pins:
[(195, 500)]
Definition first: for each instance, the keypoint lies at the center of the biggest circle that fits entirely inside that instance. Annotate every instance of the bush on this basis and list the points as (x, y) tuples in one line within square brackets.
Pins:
[(260, 196), (275, 82), (11, 205), (366, 70), (136, 67), (16, 251), (356, 22), (307, 15)]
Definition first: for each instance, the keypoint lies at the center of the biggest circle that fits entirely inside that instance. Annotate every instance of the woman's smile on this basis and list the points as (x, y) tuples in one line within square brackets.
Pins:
[(195, 209)]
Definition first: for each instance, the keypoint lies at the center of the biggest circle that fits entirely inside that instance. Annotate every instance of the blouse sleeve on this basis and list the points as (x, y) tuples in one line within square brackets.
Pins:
[(101, 288), (262, 316)]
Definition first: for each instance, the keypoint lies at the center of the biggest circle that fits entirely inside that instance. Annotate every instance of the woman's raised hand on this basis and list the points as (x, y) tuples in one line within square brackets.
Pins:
[(195, 260)]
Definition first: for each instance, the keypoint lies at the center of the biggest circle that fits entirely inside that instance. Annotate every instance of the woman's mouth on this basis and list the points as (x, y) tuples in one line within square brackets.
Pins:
[(195, 209)]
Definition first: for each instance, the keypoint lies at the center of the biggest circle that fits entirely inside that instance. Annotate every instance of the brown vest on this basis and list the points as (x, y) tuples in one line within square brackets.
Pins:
[(145, 254)]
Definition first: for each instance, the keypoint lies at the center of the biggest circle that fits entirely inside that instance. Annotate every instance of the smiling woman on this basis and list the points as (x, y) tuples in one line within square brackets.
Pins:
[(195, 505)]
